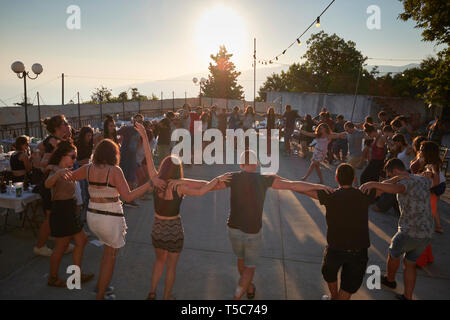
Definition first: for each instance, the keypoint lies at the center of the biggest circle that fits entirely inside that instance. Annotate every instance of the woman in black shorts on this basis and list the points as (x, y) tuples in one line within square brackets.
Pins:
[(64, 221)]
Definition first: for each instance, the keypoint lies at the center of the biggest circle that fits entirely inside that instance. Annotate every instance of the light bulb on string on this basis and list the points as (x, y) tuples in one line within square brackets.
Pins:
[(299, 42), (318, 22), (284, 52)]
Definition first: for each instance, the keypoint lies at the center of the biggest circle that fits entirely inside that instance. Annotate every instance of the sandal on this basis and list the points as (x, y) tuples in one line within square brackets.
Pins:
[(439, 230), (151, 296), (251, 295), (56, 282)]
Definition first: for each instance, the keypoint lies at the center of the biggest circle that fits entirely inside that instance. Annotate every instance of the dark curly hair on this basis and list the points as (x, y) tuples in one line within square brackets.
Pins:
[(63, 148)]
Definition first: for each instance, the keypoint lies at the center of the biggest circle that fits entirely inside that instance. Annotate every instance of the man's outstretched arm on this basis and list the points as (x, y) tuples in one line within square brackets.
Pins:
[(299, 186)]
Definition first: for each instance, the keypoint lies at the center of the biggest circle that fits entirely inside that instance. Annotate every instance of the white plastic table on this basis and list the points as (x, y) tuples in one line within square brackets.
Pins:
[(26, 205)]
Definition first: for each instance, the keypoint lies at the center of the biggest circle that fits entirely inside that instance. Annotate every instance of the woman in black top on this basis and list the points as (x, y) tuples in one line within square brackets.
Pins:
[(167, 233), (270, 118), (20, 160), (109, 130), (84, 144), (305, 141)]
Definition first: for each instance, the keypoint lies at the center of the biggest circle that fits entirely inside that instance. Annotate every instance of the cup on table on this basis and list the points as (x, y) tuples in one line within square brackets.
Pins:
[(19, 189)]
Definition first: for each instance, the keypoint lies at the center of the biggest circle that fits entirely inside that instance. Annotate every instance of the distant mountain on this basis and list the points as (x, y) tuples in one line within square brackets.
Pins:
[(180, 85)]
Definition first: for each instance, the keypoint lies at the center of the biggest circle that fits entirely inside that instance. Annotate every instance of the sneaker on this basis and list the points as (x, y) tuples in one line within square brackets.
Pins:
[(131, 204), (43, 251), (401, 297), (387, 283), (326, 297), (69, 249), (109, 290), (110, 297)]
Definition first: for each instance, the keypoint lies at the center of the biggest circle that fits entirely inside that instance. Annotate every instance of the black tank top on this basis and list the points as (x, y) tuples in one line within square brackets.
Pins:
[(167, 208), (15, 163)]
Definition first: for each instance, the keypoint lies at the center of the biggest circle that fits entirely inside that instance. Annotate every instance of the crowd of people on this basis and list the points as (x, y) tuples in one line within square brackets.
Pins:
[(86, 174)]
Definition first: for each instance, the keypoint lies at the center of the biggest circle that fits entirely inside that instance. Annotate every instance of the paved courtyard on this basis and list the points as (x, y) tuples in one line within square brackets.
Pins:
[(294, 238)]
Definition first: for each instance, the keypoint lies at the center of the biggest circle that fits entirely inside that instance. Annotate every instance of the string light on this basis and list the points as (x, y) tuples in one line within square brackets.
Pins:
[(299, 42)]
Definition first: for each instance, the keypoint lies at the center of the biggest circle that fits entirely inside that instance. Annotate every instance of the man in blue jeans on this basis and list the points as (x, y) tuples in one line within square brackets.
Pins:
[(415, 225), (248, 192)]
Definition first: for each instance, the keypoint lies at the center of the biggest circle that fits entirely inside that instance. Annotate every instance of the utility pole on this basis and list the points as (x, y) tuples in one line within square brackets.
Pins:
[(62, 87), (39, 114), (79, 111), (254, 77), (356, 92)]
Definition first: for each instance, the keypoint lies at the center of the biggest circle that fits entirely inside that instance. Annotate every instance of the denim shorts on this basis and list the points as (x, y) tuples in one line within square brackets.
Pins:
[(412, 247), (246, 246)]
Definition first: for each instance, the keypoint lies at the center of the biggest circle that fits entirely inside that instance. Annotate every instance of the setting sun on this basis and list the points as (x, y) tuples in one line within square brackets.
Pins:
[(221, 26)]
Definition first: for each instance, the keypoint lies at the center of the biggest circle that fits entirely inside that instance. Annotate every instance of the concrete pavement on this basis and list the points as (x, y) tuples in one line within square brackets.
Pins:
[(294, 237)]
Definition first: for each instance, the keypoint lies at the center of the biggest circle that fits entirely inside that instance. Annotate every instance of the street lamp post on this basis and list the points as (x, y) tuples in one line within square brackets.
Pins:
[(19, 69), (202, 81)]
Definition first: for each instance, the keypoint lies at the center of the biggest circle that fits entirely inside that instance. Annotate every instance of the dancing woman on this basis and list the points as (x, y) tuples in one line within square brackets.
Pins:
[(167, 233), (64, 220), (323, 137), (373, 170), (105, 213)]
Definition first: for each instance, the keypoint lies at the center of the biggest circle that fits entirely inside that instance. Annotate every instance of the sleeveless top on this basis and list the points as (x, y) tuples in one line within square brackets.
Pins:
[(108, 191), (15, 163), (377, 152), (167, 208)]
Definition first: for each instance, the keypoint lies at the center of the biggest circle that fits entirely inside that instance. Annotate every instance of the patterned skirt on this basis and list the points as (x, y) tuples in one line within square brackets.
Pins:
[(168, 235)]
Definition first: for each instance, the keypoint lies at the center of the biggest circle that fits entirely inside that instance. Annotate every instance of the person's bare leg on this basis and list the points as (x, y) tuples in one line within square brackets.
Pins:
[(333, 287), (241, 266), (344, 295), (102, 265), (172, 259), (158, 268), (409, 277), (80, 240), (58, 252), (319, 172), (44, 231), (244, 281), (106, 271), (392, 267), (310, 170), (437, 221)]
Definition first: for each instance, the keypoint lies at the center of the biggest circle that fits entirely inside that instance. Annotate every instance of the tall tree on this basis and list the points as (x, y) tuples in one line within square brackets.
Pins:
[(101, 94), (332, 65), (222, 80), (434, 17)]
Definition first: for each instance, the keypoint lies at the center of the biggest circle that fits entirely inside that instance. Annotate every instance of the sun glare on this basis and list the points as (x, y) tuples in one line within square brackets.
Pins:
[(221, 26)]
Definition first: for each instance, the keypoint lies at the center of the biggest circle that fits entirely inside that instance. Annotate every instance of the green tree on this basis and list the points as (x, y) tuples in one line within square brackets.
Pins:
[(101, 94), (332, 65), (123, 96), (222, 80), (433, 16)]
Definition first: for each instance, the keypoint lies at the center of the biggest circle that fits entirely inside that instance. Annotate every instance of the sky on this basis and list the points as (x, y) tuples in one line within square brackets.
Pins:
[(122, 43)]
